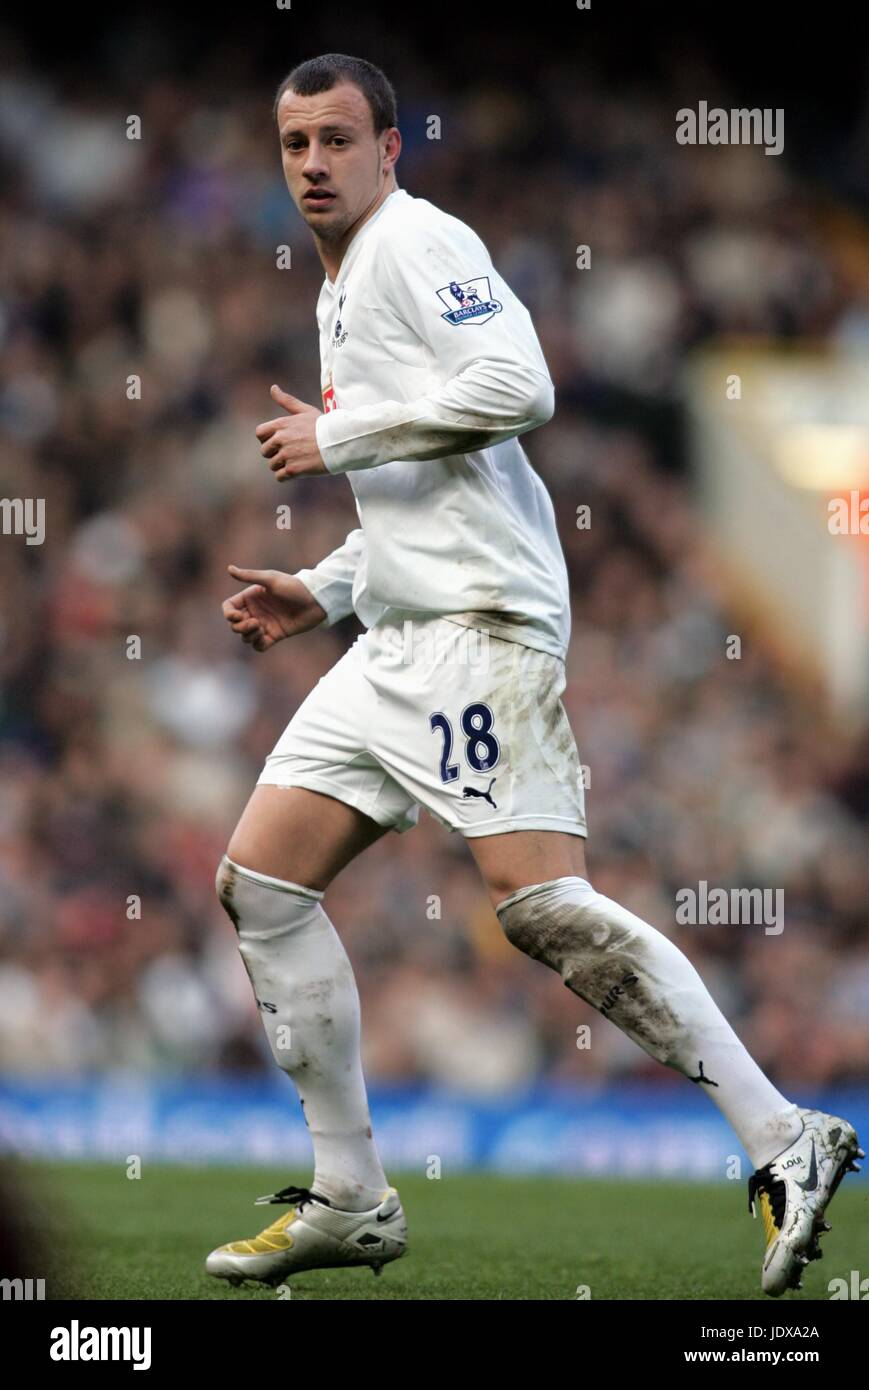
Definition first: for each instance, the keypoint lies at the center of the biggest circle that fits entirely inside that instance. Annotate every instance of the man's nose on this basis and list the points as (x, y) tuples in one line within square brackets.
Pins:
[(316, 160)]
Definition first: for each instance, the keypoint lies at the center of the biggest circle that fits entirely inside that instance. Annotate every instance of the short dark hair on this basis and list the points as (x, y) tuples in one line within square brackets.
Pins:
[(322, 74)]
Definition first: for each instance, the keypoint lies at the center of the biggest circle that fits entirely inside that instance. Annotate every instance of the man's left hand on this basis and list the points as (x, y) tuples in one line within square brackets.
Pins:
[(290, 443)]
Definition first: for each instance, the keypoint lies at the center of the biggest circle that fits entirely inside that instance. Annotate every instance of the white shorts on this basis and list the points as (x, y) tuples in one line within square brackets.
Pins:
[(431, 713)]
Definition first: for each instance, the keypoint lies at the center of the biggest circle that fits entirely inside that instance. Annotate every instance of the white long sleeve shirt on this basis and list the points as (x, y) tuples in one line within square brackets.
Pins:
[(431, 368)]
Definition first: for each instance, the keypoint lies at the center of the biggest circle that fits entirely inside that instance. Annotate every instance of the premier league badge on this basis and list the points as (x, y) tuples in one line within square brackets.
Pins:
[(469, 301)]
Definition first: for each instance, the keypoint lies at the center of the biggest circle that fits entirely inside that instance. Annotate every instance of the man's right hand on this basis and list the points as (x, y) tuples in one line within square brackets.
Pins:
[(274, 605)]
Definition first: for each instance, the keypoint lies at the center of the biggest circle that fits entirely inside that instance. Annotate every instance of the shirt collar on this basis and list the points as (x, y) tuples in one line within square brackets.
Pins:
[(397, 195)]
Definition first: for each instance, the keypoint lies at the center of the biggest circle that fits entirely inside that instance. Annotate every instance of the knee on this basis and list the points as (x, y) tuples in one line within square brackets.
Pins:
[(563, 924), (532, 922)]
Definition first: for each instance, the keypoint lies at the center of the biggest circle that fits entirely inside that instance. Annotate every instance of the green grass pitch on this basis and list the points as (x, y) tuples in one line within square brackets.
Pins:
[(471, 1236)]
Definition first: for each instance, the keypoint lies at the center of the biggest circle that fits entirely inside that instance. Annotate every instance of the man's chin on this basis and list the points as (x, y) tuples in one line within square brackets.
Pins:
[(328, 224)]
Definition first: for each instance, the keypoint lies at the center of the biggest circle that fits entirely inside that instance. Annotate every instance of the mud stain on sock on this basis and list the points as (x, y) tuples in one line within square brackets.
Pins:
[(605, 964)]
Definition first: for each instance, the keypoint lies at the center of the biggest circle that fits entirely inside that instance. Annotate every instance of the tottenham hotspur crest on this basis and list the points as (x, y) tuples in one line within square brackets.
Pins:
[(339, 333), (469, 301)]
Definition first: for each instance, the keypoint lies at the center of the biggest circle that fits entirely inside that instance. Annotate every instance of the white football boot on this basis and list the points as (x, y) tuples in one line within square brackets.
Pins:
[(313, 1235), (794, 1190)]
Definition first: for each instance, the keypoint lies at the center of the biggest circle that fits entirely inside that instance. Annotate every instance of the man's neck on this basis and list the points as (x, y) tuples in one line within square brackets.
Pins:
[(333, 253)]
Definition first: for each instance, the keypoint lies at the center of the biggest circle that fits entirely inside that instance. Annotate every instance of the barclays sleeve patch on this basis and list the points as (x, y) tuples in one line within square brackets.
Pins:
[(469, 301)]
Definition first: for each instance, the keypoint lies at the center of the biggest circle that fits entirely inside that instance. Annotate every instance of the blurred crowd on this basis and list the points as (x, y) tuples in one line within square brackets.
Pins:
[(142, 320)]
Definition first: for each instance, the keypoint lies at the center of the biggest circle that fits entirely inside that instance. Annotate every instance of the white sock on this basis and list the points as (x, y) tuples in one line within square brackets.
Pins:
[(309, 1004), (644, 984)]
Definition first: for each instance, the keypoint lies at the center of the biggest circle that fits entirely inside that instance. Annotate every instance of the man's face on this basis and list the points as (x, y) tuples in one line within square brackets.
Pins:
[(333, 164)]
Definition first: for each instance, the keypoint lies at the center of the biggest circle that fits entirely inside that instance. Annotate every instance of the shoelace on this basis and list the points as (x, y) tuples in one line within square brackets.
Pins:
[(763, 1181), (295, 1196)]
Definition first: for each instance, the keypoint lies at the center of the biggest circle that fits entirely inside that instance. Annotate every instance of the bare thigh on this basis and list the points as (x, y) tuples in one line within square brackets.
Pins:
[(520, 858), (300, 836)]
